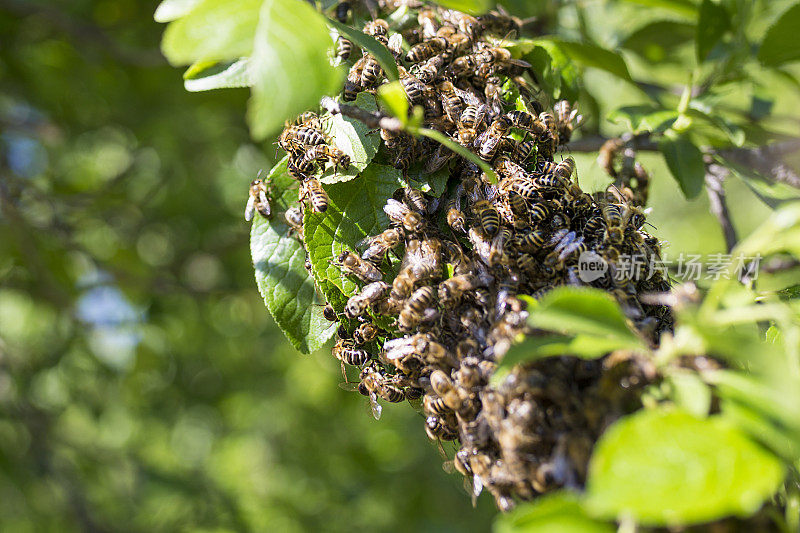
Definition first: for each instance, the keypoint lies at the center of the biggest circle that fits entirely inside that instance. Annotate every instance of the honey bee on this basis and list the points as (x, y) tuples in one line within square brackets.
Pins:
[(565, 168), (258, 200), (452, 103), (379, 245), (525, 121), (466, 24), (329, 313), (443, 386), (297, 138), (294, 219), (416, 199), (371, 73), (376, 28), (321, 153), (539, 212), (426, 49), (373, 380), (354, 265), (371, 294), (352, 85), (349, 355), (414, 88), (569, 245), (497, 251), (419, 307), (428, 22), (434, 405), (452, 289), (567, 120), (344, 47), (307, 119), (312, 189), (506, 167), (500, 24), (366, 332), (400, 214), (489, 140), (615, 229), (522, 150), (488, 217), (470, 123), (438, 428), (519, 207), (462, 66), (429, 70)]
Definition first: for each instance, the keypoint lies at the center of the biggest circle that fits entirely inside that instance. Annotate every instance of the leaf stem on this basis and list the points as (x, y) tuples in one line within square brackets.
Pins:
[(460, 150)]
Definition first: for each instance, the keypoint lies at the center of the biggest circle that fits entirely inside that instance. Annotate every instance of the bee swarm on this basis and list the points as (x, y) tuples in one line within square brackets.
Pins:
[(435, 332)]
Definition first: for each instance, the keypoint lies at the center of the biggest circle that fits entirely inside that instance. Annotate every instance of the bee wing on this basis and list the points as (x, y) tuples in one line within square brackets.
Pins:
[(449, 467), (264, 203), (366, 242), (250, 209), (377, 409), (348, 386), (394, 209), (468, 97), (396, 43)]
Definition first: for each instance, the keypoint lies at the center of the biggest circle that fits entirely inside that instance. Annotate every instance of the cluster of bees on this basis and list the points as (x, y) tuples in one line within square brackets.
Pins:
[(434, 333)]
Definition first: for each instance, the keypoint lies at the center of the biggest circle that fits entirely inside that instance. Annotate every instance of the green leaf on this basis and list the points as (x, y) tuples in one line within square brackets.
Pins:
[(214, 30), (473, 7), (773, 194), (203, 76), (590, 55), (290, 65), (537, 347), (558, 74), (681, 7), (734, 133), (659, 41), (781, 45), (355, 211), (394, 98), (664, 467), (441, 138), (583, 311), (558, 512), (714, 22), (354, 138), (690, 393), (169, 10), (371, 45), (643, 118), (685, 162), (434, 184), (279, 261)]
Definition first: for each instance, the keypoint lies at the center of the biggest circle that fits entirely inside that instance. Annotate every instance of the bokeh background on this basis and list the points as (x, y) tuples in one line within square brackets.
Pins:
[(143, 386)]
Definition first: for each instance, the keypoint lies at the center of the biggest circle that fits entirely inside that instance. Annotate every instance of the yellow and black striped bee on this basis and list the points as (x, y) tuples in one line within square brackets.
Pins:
[(354, 265), (567, 120), (419, 307), (401, 215), (525, 121), (469, 123), (312, 189), (489, 140), (350, 355), (258, 200), (488, 216), (426, 49), (451, 102), (352, 85), (299, 137)]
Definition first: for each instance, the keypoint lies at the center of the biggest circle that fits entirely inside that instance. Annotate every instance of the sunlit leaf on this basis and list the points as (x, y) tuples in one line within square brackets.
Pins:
[(354, 138), (583, 311), (394, 98), (169, 10), (205, 77), (714, 22), (371, 45), (685, 162), (279, 261), (682, 7), (214, 30), (473, 7), (590, 55), (690, 393), (355, 211), (643, 118), (559, 512), (660, 40), (781, 45), (290, 65), (662, 467)]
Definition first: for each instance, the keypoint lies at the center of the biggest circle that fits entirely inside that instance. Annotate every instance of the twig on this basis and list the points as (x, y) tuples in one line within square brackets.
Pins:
[(371, 119), (715, 178), (767, 160)]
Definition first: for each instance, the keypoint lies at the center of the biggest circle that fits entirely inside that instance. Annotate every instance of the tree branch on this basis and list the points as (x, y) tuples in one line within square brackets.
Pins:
[(715, 178), (371, 119)]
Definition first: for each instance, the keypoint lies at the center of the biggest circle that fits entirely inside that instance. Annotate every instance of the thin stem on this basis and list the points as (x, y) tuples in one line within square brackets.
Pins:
[(715, 179)]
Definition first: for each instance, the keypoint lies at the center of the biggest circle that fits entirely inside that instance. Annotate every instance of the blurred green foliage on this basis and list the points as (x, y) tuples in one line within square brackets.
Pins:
[(142, 385)]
